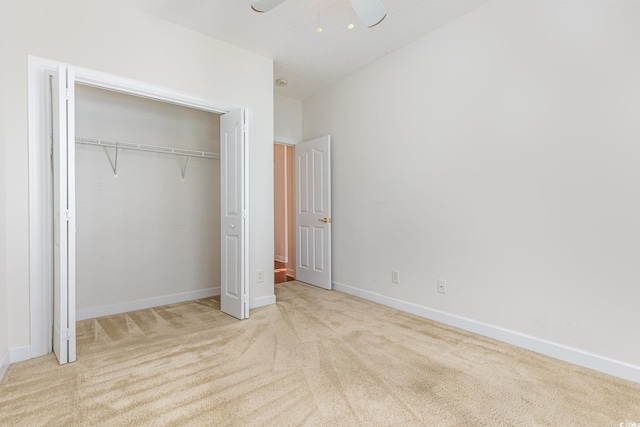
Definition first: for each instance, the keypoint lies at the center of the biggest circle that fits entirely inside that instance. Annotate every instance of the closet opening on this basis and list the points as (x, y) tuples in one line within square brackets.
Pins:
[(147, 177)]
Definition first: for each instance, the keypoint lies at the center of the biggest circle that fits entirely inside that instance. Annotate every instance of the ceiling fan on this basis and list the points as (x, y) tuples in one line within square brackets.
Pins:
[(370, 12)]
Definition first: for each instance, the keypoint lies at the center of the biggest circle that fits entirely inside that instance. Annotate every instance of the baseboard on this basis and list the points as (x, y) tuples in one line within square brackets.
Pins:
[(291, 272), (548, 348), (141, 304), (4, 363), (19, 354), (13, 355), (263, 301), (280, 258)]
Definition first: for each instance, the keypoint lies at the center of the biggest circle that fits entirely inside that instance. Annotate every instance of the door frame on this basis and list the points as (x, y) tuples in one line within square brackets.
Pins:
[(287, 250), (40, 191)]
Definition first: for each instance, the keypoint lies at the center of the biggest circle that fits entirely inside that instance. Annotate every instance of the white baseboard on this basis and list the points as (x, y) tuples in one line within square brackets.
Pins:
[(4, 363), (548, 348), (263, 301), (19, 354), (281, 258), (141, 304), (13, 355)]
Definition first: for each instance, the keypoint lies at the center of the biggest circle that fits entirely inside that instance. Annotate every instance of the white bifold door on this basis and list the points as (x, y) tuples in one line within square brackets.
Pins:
[(313, 212), (64, 223), (234, 214)]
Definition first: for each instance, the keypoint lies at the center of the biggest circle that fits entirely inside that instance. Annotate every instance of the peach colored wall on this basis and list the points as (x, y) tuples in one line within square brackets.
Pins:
[(279, 203), (284, 189), (291, 264)]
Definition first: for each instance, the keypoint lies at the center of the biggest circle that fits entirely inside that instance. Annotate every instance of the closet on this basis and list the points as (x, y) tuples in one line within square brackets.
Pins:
[(130, 205), (147, 202)]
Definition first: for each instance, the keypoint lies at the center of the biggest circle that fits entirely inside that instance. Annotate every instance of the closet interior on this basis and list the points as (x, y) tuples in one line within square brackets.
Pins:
[(147, 201)]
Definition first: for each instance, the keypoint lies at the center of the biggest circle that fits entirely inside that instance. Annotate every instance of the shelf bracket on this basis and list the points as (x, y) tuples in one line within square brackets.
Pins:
[(113, 161), (184, 162)]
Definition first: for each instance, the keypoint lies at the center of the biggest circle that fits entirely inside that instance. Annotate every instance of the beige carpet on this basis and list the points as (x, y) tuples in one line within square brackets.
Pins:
[(317, 358)]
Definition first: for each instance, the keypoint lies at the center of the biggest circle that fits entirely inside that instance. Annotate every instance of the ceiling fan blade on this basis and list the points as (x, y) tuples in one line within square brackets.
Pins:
[(370, 12), (265, 5)]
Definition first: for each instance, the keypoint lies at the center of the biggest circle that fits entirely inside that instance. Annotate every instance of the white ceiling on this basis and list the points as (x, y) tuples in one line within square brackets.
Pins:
[(310, 61)]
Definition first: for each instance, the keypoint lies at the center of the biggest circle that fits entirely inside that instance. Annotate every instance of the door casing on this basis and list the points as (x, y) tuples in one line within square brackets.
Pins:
[(40, 71)]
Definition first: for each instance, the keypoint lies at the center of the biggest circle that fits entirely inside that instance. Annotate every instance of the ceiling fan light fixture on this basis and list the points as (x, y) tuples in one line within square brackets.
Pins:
[(263, 6), (350, 26), (370, 12)]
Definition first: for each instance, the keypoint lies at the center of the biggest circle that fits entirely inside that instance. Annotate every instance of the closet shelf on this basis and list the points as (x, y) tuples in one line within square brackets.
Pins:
[(146, 147)]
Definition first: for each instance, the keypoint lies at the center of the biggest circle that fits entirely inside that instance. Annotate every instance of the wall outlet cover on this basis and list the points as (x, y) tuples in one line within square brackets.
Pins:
[(395, 276)]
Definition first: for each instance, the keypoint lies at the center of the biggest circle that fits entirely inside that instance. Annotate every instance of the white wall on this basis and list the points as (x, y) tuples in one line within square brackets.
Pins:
[(287, 119), (4, 326), (500, 153), (145, 233), (287, 130), (121, 41)]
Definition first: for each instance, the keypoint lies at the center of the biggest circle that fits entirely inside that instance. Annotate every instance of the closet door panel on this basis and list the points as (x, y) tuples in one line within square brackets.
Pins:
[(233, 298), (64, 315)]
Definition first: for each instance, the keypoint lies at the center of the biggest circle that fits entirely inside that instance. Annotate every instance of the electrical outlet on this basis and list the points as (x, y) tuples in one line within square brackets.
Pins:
[(442, 286), (260, 277), (395, 276)]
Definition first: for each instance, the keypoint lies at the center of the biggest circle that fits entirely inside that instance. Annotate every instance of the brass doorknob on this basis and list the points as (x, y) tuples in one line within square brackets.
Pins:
[(325, 220)]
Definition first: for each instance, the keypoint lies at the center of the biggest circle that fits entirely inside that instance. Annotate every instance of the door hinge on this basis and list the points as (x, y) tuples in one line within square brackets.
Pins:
[(245, 214), (67, 94), (67, 215), (67, 334), (245, 128)]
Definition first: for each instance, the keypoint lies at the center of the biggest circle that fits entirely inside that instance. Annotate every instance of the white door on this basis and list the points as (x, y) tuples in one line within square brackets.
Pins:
[(313, 212), (64, 224), (234, 214)]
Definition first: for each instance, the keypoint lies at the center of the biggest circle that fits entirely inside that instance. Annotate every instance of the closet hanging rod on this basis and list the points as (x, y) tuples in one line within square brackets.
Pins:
[(146, 147)]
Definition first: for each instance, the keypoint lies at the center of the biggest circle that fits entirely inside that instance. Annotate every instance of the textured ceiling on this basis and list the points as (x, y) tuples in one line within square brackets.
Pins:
[(309, 61)]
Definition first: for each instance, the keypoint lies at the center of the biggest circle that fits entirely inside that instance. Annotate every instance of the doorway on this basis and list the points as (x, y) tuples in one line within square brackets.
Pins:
[(284, 213), (303, 223)]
